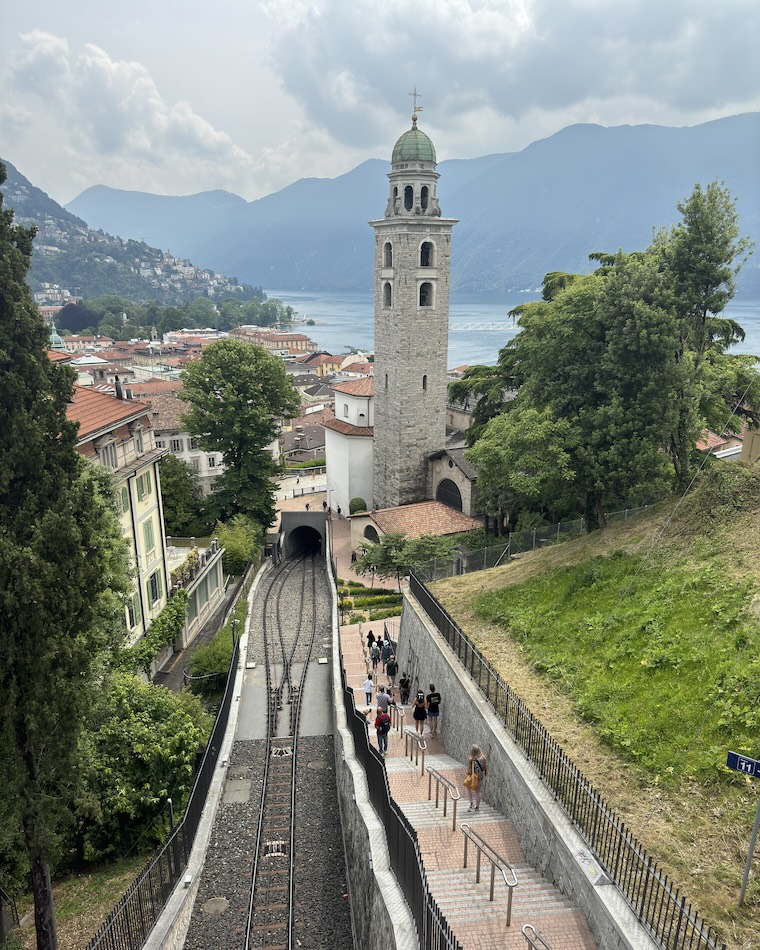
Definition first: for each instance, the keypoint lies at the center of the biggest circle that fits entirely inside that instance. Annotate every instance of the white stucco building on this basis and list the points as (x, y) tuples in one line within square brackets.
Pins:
[(348, 443)]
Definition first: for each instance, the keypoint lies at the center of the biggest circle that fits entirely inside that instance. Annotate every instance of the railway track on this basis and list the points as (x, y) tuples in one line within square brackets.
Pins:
[(289, 635)]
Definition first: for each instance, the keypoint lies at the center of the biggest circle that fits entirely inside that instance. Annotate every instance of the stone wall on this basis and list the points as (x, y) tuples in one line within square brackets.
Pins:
[(549, 840)]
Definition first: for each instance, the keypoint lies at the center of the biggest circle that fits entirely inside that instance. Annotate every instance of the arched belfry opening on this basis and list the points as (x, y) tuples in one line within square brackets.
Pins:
[(387, 295), (426, 294), (426, 254), (408, 198), (387, 254)]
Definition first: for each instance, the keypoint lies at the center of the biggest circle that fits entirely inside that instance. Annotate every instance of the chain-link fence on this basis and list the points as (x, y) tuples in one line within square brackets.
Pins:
[(516, 543)]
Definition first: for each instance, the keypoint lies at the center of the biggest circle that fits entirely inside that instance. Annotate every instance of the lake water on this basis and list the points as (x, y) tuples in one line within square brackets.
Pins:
[(478, 326)]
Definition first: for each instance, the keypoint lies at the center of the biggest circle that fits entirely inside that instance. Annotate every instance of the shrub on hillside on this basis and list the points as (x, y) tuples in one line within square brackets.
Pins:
[(241, 538), (357, 504)]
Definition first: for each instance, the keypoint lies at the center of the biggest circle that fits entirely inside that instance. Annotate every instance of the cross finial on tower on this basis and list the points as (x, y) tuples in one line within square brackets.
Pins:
[(415, 95)]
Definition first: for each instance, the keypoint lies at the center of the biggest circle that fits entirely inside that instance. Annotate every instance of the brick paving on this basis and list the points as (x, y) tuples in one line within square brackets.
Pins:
[(479, 924)]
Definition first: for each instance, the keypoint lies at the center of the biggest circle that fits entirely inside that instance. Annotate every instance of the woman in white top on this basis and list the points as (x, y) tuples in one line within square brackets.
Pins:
[(368, 686)]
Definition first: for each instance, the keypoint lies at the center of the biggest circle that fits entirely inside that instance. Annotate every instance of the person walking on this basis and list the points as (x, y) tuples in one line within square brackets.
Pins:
[(370, 639), (387, 652), (391, 668), (368, 686), (433, 700), (374, 655), (384, 699), (419, 712), (383, 726), (477, 769), (405, 685)]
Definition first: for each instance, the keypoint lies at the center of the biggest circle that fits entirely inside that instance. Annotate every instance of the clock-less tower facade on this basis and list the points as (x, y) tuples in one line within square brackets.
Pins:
[(412, 278)]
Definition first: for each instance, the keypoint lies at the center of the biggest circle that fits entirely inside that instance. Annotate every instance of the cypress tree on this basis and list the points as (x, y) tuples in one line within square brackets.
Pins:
[(62, 565)]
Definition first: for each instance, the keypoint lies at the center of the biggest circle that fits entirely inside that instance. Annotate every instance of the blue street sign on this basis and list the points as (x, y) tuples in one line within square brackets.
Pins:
[(741, 763)]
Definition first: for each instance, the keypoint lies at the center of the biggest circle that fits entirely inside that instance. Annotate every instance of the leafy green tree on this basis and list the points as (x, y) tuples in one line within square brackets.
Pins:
[(239, 394), (185, 512), (599, 357), (139, 745), (241, 538), (701, 256), (396, 556), (62, 563), (523, 459)]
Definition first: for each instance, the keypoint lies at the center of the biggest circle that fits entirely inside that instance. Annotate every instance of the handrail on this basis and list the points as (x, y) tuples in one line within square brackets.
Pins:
[(484, 848), (397, 716), (450, 787), (410, 733), (536, 941)]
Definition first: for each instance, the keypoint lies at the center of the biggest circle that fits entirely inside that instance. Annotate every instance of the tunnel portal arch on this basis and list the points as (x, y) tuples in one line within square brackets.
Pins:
[(303, 532)]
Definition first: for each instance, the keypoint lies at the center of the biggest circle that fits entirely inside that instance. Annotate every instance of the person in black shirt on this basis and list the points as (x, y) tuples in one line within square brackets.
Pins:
[(405, 685), (433, 709)]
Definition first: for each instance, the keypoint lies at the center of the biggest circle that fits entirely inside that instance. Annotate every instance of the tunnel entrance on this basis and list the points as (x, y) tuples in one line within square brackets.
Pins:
[(304, 540)]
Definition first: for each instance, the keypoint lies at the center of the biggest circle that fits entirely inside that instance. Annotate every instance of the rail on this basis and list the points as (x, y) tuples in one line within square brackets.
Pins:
[(397, 717), (534, 938), (413, 751), (450, 787), (484, 848)]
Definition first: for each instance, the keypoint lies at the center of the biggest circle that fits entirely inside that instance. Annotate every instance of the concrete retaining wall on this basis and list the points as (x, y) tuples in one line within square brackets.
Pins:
[(549, 840)]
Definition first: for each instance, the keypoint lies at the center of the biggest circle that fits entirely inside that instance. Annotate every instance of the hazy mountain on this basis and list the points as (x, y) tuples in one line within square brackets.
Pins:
[(69, 255), (587, 188)]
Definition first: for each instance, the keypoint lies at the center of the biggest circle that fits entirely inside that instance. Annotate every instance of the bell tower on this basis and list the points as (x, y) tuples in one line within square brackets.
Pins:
[(412, 276)]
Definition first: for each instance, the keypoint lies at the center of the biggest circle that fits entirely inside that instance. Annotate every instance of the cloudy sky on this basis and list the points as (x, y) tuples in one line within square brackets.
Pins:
[(249, 95)]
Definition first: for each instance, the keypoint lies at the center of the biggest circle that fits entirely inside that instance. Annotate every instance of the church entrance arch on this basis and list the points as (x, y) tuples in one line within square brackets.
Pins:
[(370, 533), (449, 494)]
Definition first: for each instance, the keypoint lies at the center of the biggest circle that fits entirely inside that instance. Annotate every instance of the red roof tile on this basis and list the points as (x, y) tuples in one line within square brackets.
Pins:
[(345, 428), (357, 387), (425, 517), (96, 411)]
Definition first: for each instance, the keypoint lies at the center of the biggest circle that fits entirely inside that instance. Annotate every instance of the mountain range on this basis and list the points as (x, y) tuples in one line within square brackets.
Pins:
[(522, 214), (71, 259)]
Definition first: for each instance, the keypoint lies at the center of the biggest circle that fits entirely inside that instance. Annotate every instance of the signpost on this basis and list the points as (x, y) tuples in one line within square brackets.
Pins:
[(750, 767)]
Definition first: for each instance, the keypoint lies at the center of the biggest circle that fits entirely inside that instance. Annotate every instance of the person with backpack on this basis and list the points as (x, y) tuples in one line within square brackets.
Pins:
[(391, 668), (477, 769), (374, 655), (419, 713), (383, 726)]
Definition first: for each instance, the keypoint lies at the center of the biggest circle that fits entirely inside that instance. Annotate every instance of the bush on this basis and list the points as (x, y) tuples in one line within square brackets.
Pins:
[(385, 614), (357, 618), (164, 630), (241, 538), (139, 748), (213, 660), (372, 602), (357, 504)]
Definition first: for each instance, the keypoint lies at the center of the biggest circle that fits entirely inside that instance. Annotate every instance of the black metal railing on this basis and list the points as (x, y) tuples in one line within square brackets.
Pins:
[(433, 931), (130, 922), (659, 905)]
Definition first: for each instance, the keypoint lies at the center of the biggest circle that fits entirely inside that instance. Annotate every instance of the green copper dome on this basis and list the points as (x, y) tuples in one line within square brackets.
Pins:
[(413, 146)]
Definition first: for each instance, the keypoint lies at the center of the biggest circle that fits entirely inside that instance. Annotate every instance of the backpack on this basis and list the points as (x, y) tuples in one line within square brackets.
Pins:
[(385, 724)]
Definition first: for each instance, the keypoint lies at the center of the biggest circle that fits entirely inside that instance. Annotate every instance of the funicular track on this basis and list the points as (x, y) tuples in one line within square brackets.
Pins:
[(289, 628)]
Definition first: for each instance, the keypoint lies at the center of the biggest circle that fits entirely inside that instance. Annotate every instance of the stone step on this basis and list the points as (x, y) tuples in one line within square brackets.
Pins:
[(456, 892), (425, 814)]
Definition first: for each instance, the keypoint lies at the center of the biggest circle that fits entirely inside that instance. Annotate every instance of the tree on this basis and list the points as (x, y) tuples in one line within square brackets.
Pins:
[(701, 257), (238, 394), (185, 513), (140, 746), (523, 459), (241, 538), (396, 556), (596, 362), (62, 564)]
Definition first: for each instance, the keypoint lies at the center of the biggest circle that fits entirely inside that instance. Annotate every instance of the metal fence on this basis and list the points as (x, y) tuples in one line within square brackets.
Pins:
[(130, 922), (660, 906), (517, 542), (433, 931)]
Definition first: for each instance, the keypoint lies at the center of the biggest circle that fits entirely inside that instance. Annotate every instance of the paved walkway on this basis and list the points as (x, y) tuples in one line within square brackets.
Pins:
[(479, 924)]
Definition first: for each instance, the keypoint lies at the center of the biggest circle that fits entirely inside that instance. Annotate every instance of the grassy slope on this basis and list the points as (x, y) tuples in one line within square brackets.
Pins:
[(639, 648)]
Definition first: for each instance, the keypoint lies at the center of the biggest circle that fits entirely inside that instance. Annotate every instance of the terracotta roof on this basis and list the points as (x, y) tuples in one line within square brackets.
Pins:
[(710, 441), (425, 517), (152, 387), (167, 411), (366, 368), (345, 428), (96, 411), (313, 418), (58, 356), (357, 387)]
